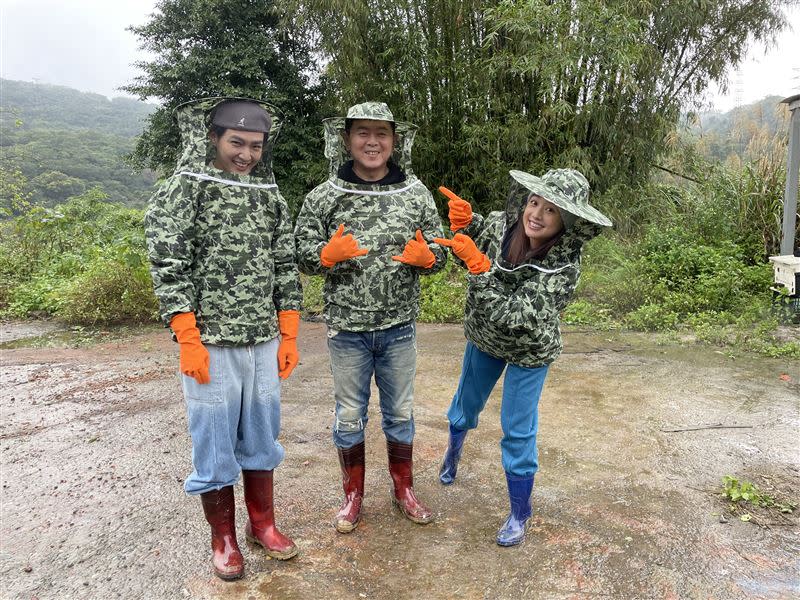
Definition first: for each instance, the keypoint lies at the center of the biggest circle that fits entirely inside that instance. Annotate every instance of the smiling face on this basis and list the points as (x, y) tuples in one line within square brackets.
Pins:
[(541, 220), (237, 151), (370, 143)]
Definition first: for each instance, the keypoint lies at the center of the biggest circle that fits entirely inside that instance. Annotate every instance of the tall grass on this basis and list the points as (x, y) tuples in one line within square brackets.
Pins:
[(696, 258)]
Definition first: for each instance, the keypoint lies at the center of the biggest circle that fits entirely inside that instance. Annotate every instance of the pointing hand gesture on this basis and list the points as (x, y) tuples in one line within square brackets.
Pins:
[(465, 249), (460, 211)]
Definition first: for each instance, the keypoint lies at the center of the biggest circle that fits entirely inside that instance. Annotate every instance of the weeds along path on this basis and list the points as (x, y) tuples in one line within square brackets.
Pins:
[(95, 449)]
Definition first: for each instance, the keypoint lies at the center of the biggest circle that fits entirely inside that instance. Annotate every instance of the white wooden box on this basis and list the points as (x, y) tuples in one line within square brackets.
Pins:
[(787, 272)]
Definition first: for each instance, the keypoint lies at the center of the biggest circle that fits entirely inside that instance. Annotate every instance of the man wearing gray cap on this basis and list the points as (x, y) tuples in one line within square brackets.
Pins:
[(368, 231), (238, 133), (219, 237)]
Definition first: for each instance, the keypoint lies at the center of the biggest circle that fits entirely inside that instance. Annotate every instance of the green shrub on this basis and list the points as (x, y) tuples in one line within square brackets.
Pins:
[(609, 277), (312, 295), (771, 347), (652, 317), (38, 295), (674, 273), (443, 295), (747, 493), (7, 286), (583, 312), (711, 326), (109, 292), (83, 261)]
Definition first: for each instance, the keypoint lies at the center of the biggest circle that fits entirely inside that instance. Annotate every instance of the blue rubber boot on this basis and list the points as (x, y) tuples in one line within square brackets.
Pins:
[(447, 472), (519, 494)]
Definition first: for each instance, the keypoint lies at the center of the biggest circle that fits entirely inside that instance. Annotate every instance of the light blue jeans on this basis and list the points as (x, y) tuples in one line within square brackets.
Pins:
[(235, 419), (519, 411), (389, 354)]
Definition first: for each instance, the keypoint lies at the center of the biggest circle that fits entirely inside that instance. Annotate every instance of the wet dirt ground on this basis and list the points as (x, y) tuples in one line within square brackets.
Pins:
[(95, 449)]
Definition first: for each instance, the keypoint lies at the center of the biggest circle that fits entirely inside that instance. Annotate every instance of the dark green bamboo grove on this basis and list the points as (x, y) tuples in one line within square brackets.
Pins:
[(493, 85)]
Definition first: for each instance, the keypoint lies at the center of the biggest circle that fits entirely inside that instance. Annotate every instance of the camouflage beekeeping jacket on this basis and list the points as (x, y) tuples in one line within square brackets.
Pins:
[(221, 244), (512, 311), (369, 292)]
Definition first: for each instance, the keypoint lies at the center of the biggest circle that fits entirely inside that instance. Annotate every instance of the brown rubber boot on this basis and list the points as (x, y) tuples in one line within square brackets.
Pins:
[(401, 470), (261, 528), (220, 511), (352, 462)]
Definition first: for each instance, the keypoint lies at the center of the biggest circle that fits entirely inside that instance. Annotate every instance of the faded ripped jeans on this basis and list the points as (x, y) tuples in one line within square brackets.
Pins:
[(389, 354), (234, 420)]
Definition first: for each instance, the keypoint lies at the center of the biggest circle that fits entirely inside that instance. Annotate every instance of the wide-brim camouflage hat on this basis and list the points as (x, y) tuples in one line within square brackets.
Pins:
[(374, 111), (566, 188)]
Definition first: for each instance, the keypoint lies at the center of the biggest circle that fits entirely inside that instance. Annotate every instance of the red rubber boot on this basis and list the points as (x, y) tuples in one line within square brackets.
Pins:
[(220, 511), (401, 469), (261, 528), (352, 462)]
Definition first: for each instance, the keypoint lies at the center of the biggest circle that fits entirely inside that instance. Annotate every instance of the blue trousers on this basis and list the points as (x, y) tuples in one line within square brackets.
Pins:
[(391, 356), (235, 419), (519, 412)]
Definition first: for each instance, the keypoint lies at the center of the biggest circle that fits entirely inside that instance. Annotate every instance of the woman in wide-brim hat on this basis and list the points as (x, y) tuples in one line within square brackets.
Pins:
[(524, 265)]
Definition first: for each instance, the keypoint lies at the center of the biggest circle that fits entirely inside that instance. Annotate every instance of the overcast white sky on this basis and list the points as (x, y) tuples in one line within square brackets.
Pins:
[(78, 43), (83, 44)]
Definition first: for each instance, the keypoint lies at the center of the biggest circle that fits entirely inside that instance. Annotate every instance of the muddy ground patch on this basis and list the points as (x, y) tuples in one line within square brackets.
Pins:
[(95, 450)]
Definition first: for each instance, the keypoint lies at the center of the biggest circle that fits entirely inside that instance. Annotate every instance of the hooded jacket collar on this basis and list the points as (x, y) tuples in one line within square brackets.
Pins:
[(338, 155), (564, 254), (198, 153)]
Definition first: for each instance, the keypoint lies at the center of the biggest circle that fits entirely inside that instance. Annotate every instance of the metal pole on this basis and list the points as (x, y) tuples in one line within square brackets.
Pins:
[(792, 176)]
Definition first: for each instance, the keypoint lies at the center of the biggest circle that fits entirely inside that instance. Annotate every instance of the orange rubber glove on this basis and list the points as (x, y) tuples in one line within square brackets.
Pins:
[(416, 253), (194, 359), (288, 356), (465, 249), (460, 211), (340, 248)]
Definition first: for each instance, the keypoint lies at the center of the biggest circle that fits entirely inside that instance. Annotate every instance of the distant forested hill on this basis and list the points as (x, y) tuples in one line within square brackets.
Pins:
[(65, 142), (42, 105), (730, 133), (767, 112)]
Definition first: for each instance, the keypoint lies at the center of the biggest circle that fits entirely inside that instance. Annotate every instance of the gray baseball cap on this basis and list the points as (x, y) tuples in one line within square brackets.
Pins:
[(242, 115)]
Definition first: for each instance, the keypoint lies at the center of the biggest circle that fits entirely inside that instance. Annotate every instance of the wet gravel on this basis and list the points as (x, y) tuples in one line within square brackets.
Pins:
[(95, 449)]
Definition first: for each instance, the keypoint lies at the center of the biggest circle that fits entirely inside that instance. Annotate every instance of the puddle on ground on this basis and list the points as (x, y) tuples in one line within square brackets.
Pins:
[(56, 336)]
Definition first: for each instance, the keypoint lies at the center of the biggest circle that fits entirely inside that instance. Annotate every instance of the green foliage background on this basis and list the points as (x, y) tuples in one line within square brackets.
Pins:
[(82, 261), (527, 84), (531, 84)]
